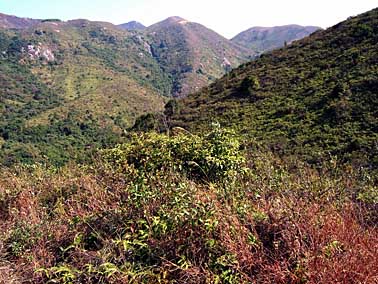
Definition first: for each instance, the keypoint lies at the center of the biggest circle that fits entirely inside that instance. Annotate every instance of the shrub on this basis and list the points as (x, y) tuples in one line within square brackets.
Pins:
[(215, 155), (250, 84)]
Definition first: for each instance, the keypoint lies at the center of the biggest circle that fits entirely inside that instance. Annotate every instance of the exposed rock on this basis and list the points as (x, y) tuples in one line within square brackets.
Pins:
[(39, 52)]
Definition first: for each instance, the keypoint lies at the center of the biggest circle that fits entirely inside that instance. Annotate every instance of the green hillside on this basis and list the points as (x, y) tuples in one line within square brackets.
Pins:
[(76, 85), (79, 74), (317, 97)]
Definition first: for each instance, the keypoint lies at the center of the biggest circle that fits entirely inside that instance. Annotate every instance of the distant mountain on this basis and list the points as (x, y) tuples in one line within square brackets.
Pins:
[(132, 26), (261, 39), (12, 22), (192, 54), (314, 98)]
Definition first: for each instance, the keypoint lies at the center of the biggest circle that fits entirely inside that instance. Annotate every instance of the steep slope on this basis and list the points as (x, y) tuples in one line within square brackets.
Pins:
[(193, 54), (132, 26), (317, 97), (261, 39), (63, 82)]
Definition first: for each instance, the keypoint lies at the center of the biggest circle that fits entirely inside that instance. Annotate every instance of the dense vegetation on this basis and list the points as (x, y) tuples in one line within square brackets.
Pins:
[(69, 87), (317, 97), (188, 209)]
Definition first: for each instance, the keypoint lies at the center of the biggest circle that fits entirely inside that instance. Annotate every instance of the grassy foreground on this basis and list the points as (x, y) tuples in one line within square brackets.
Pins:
[(188, 209)]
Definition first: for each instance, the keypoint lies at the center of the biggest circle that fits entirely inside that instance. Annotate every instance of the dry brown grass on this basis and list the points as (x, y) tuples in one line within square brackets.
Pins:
[(7, 274), (275, 226)]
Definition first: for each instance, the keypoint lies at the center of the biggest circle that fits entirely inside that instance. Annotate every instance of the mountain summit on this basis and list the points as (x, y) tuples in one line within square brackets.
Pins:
[(175, 19), (193, 54)]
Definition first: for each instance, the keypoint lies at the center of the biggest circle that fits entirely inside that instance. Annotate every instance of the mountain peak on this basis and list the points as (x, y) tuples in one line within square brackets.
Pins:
[(169, 22), (175, 19), (132, 26), (193, 54)]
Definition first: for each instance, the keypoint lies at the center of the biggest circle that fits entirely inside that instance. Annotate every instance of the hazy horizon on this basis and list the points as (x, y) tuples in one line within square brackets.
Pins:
[(227, 20)]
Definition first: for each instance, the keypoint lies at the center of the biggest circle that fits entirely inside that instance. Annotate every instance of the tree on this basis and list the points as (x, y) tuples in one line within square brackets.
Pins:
[(249, 85)]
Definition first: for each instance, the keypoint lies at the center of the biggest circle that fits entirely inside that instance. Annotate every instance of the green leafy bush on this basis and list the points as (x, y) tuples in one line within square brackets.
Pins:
[(215, 155)]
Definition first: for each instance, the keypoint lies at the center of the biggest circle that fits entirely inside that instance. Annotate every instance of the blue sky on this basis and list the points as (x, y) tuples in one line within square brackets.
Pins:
[(225, 17)]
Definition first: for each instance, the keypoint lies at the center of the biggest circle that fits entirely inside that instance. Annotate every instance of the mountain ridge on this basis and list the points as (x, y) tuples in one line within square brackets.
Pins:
[(9, 21), (261, 39)]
